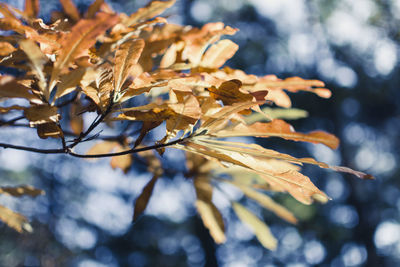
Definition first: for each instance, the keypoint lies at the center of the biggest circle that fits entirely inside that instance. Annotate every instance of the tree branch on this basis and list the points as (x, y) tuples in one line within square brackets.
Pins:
[(69, 152)]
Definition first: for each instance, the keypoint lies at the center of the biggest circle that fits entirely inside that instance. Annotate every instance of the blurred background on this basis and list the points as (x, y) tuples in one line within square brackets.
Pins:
[(353, 45)]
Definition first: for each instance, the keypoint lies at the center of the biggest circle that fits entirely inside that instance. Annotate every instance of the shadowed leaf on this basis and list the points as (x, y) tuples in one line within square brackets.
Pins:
[(144, 197)]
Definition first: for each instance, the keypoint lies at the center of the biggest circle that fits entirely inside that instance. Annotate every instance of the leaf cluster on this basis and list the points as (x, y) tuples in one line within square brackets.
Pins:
[(100, 61)]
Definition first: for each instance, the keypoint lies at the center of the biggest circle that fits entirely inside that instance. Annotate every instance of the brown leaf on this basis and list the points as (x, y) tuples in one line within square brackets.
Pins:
[(38, 60), (70, 9), (251, 157), (49, 129), (351, 171), (218, 54), (229, 93), (8, 109), (22, 190), (225, 113), (126, 57), (123, 162), (6, 49), (197, 40), (93, 9), (14, 220), (144, 197), (279, 128), (32, 8), (9, 87), (40, 114), (76, 119), (12, 24), (5, 10), (82, 36), (153, 9), (69, 82)]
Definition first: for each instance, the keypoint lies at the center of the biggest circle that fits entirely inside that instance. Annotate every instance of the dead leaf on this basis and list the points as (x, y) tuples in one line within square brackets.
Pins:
[(82, 36), (70, 9), (40, 114), (6, 49), (126, 57), (218, 54), (153, 9), (22, 190), (260, 229), (32, 8), (14, 220), (144, 197)]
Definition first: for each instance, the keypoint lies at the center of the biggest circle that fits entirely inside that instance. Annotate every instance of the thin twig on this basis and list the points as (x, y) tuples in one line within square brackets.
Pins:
[(69, 152)]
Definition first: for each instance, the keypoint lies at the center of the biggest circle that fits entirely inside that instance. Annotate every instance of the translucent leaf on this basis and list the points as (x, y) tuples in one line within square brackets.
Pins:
[(82, 36), (267, 202), (260, 229)]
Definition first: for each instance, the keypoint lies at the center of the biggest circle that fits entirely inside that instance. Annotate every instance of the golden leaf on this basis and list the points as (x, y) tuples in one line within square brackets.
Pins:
[(10, 87), (38, 60), (260, 229), (14, 220), (153, 9), (218, 54), (40, 114), (209, 214), (279, 128), (267, 202), (82, 36), (69, 82), (126, 57)]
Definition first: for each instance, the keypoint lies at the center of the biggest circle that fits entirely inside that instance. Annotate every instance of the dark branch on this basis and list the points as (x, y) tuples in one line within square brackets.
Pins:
[(69, 152)]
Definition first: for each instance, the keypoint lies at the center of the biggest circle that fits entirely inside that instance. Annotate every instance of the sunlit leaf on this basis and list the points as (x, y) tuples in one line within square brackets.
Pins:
[(219, 53), (279, 128), (14, 220), (82, 36), (153, 9), (40, 114), (260, 229), (126, 57), (267, 202), (6, 48)]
